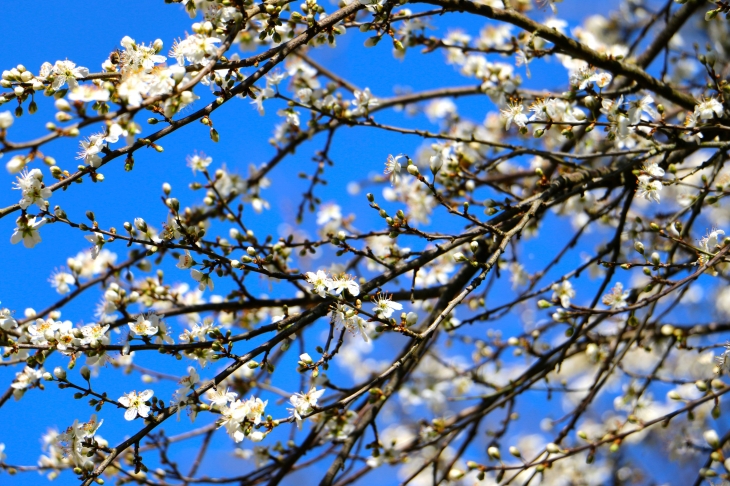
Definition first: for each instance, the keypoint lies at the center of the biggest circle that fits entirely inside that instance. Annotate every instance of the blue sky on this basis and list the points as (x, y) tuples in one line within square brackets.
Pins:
[(85, 32)]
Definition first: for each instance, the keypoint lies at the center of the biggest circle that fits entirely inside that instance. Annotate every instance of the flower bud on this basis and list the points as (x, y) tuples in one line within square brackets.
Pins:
[(62, 105), (140, 224), (712, 438), (544, 304), (173, 203), (667, 330), (85, 372), (552, 448), (59, 373), (459, 257)]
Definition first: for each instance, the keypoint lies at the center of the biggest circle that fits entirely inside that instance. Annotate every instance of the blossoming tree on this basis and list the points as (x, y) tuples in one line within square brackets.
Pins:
[(523, 296)]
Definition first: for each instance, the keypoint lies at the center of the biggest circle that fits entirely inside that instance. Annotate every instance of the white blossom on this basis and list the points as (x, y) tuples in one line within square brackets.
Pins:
[(27, 231), (66, 72), (616, 299), (145, 325), (33, 190), (384, 307), (513, 114), (135, 404), (563, 292), (708, 109), (304, 403)]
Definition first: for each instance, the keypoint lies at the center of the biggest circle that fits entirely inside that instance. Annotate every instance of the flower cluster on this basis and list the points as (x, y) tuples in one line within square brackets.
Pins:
[(304, 404), (74, 442), (239, 417), (323, 284)]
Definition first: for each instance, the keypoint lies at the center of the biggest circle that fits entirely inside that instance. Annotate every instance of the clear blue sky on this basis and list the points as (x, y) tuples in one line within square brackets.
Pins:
[(86, 32)]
